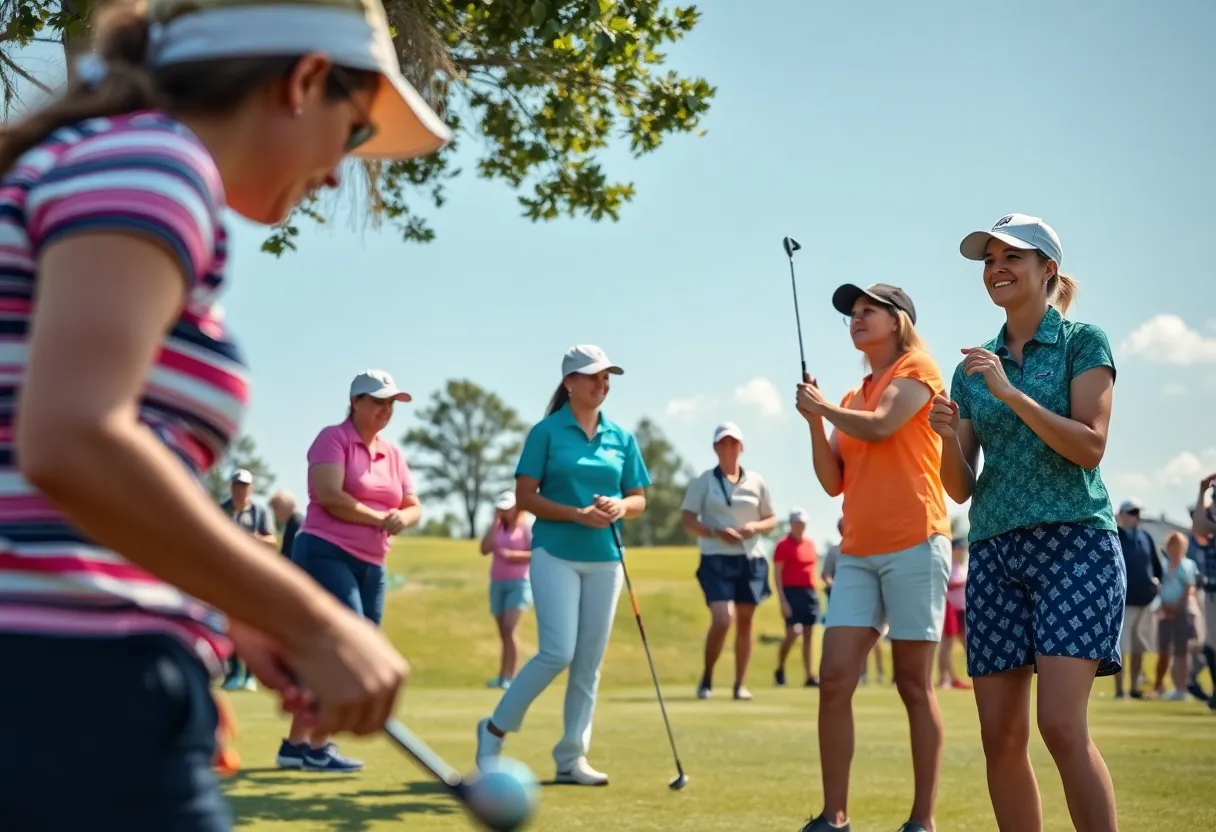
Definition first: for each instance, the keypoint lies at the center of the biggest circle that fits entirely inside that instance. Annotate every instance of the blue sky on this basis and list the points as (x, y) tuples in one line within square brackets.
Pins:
[(878, 134)]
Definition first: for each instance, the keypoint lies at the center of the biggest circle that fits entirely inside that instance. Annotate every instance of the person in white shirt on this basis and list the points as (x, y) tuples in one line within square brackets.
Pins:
[(728, 508)]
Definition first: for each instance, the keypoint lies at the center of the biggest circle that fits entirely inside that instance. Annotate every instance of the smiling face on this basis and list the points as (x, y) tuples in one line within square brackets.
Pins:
[(588, 391), (1016, 277), (872, 323), (311, 121), (370, 414)]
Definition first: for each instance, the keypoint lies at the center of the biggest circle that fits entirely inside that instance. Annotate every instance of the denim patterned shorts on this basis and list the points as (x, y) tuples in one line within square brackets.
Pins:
[(1050, 590)]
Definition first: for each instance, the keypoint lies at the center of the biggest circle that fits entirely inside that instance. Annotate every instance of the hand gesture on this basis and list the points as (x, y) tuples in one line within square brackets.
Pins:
[(746, 532), (393, 522), (1207, 482), (988, 365), (593, 516), (353, 672), (611, 506), (729, 535), (269, 662), (943, 417), (810, 401)]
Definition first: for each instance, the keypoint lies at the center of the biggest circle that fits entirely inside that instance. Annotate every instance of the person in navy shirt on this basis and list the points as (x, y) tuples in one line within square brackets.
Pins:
[(578, 473)]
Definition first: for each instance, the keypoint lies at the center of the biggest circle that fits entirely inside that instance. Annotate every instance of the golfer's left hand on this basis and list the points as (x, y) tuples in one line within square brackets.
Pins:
[(810, 400), (611, 506), (988, 365)]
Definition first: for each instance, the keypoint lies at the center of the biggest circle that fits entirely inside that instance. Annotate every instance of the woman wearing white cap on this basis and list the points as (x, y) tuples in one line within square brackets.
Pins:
[(579, 473), (894, 561), (508, 542), (726, 508), (127, 387), (360, 494), (1046, 582)]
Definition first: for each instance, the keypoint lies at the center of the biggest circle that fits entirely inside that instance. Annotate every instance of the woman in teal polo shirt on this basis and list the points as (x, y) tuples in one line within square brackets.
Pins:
[(578, 473), (1046, 586)]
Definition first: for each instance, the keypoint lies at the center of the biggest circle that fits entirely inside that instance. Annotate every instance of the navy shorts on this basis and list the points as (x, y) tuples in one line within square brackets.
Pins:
[(356, 583), (1051, 590), (804, 605), (114, 733), (737, 578)]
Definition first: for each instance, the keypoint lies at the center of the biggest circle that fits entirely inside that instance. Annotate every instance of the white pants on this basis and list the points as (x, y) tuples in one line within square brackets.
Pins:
[(575, 604)]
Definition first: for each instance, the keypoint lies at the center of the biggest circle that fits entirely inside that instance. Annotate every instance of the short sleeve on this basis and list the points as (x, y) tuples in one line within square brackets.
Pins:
[(149, 182), (535, 453), (694, 496), (779, 551), (958, 392), (766, 500), (634, 475), (920, 366), (264, 524), (327, 449), (1089, 348)]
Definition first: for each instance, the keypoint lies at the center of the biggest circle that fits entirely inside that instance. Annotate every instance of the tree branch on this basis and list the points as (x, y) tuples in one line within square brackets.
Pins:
[(8, 62)]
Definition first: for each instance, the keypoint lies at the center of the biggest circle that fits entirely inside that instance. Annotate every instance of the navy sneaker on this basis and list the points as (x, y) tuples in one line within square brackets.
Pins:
[(912, 826), (820, 824), (291, 755), (327, 758), (779, 677)]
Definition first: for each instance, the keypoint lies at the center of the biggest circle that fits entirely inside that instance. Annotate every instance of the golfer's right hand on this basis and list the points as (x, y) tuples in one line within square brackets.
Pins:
[(943, 417), (354, 674), (594, 517)]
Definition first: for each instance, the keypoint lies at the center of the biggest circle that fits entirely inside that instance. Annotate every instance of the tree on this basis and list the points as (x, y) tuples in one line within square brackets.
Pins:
[(241, 454), (466, 446), (539, 86), (446, 527), (669, 474)]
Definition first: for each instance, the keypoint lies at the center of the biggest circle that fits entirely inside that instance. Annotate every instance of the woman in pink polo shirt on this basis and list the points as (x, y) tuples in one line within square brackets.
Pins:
[(360, 492), (509, 542)]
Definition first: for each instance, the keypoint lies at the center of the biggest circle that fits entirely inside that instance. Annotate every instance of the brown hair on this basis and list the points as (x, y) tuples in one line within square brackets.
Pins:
[(1061, 289), (561, 396), (202, 87)]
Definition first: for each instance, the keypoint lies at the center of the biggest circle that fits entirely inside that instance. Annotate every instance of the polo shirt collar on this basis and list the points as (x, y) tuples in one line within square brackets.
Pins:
[(566, 417), (375, 450), (1047, 333)]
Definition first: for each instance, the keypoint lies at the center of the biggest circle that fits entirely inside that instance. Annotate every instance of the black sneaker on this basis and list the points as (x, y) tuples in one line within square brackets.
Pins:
[(705, 689), (912, 826), (1196, 690), (812, 682), (1212, 702), (820, 824), (779, 677), (1136, 694)]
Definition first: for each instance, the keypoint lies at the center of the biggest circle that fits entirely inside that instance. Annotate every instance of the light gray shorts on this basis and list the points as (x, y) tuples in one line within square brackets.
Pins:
[(905, 589)]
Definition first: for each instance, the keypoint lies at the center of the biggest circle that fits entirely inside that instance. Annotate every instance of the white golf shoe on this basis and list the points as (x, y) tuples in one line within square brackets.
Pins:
[(582, 774), (488, 746)]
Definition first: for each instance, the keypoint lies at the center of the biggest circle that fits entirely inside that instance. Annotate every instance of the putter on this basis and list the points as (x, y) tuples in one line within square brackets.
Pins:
[(681, 779), (791, 245)]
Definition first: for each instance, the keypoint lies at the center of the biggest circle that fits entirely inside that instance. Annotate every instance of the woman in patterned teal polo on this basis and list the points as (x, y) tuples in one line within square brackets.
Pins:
[(1046, 585)]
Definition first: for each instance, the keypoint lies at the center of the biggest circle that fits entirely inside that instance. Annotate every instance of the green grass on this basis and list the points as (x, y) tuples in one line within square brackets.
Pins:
[(752, 765)]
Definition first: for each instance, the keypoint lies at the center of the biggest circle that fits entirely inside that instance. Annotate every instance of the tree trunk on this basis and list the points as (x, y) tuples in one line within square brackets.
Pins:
[(75, 38)]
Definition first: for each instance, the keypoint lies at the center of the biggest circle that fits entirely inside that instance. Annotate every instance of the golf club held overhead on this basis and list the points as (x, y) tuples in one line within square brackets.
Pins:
[(791, 245)]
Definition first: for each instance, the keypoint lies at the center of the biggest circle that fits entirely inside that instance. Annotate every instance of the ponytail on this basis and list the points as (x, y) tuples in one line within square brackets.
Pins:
[(1061, 292), (561, 397), (127, 84)]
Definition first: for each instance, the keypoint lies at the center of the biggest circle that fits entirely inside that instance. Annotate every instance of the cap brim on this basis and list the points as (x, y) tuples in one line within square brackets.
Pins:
[(974, 246), (599, 367), (730, 434), (390, 393), (406, 126)]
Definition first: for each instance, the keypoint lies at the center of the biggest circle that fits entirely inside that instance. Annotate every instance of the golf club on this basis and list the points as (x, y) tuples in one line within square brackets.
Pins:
[(791, 245), (681, 779)]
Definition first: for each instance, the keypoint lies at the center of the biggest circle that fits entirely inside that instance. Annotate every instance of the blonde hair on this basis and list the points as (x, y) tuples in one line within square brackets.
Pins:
[(906, 336), (1177, 538), (1061, 289)]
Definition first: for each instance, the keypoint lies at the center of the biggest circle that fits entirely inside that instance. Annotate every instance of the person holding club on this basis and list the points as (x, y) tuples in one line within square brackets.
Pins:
[(894, 561), (578, 473), (727, 508), (1046, 581), (123, 587)]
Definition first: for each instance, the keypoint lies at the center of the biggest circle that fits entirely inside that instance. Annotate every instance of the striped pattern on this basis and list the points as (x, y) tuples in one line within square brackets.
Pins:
[(147, 174)]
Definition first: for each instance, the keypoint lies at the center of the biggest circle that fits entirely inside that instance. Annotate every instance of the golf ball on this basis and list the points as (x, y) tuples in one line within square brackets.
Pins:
[(504, 795)]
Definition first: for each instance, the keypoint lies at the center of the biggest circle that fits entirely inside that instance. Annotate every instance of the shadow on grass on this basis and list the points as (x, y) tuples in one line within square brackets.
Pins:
[(352, 811)]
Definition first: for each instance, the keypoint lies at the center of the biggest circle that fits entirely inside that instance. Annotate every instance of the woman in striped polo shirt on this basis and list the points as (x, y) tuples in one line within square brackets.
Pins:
[(121, 387), (1046, 582)]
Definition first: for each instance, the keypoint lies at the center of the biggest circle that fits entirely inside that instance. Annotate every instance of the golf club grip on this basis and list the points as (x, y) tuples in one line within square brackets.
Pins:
[(412, 744)]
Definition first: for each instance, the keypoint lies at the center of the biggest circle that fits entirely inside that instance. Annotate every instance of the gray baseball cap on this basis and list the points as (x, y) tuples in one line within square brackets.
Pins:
[(587, 359), (377, 384), (1018, 230), (884, 293)]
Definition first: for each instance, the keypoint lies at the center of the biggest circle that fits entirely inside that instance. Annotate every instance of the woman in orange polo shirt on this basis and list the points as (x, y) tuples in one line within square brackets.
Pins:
[(894, 561)]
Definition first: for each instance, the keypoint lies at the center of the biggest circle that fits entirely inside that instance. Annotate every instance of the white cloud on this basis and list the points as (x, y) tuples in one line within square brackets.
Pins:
[(689, 406), (1166, 339), (761, 394), (1175, 390), (1182, 472)]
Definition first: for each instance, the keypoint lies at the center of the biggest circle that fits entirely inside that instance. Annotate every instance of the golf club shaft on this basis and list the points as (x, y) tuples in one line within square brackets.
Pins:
[(798, 319), (412, 744), (637, 614)]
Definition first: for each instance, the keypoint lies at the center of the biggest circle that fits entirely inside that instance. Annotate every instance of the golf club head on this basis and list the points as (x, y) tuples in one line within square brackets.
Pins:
[(679, 783), (790, 245)]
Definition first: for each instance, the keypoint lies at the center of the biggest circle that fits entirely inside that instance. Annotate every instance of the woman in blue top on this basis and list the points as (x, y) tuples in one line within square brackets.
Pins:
[(1046, 586), (578, 473)]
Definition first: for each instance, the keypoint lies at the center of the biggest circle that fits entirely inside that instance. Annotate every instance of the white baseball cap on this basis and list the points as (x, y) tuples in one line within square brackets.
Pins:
[(588, 359), (1130, 506), (1018, 230), (505, 501), (727, 429), (797, 515), (377, 384), (242, 475)]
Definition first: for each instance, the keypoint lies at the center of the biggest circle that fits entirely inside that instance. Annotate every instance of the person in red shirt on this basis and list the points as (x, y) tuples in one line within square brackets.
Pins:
[(799, 601)]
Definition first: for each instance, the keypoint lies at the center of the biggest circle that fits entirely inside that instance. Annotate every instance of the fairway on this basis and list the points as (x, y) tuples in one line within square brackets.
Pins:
[(753, 765)]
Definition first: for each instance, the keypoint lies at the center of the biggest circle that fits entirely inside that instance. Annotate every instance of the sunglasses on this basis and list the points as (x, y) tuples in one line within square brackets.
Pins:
[(360, 134)]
